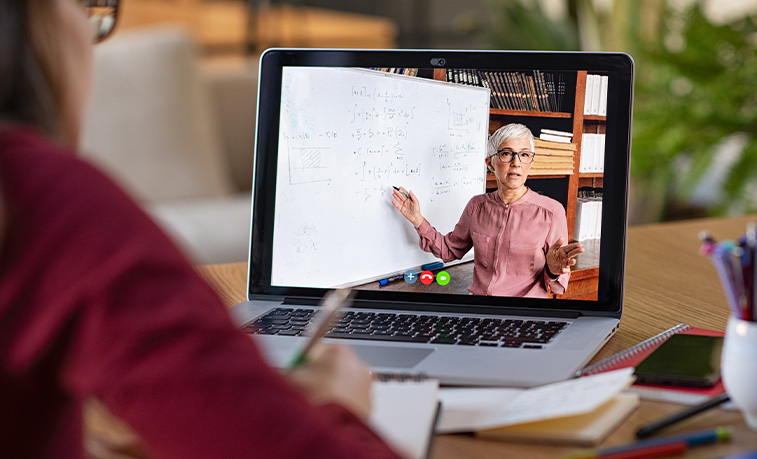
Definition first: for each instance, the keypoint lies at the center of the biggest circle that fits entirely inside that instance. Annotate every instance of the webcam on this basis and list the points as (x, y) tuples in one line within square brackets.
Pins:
[(438, 61)]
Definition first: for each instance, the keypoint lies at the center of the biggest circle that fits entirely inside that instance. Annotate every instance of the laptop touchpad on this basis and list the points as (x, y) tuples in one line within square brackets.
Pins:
[(380, 356)]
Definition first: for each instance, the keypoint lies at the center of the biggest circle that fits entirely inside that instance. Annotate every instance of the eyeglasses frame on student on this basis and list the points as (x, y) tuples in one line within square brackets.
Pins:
[(103, 16), (500, 154)]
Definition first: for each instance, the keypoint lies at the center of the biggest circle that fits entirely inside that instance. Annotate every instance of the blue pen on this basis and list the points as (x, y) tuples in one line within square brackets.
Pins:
[(383, 282), (432, 266)]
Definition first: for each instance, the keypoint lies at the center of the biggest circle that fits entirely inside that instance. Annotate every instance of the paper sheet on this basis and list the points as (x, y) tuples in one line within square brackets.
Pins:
[(404, 414)]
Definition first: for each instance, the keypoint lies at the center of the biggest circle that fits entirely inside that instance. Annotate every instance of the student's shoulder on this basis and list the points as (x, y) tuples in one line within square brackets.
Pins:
[(50, 183), (33, 165)]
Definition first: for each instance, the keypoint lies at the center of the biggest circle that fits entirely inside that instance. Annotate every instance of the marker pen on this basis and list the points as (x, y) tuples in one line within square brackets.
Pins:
[(383, 282), (432, 266), (401, 192)]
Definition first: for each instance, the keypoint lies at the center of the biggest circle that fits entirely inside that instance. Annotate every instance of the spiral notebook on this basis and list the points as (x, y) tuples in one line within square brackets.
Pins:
[(635, 354)]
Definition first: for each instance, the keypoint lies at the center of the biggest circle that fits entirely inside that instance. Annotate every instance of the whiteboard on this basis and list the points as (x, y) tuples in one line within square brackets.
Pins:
[(345, 137)]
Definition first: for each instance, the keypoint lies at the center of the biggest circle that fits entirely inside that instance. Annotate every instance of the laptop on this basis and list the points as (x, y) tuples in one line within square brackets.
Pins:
[(339, 130)]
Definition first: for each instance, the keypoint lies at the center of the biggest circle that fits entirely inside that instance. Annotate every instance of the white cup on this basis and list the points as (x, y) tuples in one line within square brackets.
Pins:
[(739, 367)]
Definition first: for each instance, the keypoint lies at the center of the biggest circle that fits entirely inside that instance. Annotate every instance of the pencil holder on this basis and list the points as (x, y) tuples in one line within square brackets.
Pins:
[(739, 367)]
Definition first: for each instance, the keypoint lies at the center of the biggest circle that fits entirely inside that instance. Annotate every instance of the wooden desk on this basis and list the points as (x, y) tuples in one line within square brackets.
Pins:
[(667, 282)]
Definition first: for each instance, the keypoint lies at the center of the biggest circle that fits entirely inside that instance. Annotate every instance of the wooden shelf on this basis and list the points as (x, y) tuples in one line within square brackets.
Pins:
[(593, 182), (595, 118), (547, 176), (532, 113)]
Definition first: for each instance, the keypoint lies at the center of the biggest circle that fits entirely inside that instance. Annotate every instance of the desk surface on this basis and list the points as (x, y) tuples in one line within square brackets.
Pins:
[(667, 282)]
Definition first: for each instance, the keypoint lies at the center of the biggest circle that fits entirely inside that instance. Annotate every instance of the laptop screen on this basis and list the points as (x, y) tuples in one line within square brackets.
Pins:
[(411, 177)]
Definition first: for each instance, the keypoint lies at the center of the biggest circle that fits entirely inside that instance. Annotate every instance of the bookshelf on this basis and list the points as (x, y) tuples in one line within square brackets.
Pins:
[(563, 187)]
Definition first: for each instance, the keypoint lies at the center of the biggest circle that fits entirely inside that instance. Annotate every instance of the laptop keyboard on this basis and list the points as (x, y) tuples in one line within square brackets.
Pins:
[(415, 328)]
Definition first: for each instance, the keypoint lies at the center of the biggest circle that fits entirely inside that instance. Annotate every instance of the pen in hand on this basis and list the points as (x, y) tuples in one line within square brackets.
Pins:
[(401, 192), (332, 303)]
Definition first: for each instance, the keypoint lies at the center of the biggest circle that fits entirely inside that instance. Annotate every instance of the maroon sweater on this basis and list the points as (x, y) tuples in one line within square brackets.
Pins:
[(96, 301)]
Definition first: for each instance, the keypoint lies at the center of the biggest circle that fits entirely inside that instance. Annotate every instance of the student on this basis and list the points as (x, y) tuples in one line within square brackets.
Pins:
[(96, 302), (518, 236)]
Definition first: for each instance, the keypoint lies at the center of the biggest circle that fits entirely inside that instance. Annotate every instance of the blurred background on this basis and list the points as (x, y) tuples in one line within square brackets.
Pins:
[(694, 152)]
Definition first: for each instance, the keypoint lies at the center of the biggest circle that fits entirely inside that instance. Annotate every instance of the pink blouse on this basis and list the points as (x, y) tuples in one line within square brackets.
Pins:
[(510, 244)]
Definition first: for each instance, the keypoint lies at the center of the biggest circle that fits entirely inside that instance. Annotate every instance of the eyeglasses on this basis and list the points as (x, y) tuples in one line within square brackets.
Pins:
[(506, 156), (102, 16)]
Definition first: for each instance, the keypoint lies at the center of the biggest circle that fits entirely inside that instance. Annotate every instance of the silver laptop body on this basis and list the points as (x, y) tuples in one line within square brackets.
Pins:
[(336, 130)]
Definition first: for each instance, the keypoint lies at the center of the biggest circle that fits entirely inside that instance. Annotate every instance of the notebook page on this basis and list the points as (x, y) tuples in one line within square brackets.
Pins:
[(404, 414)]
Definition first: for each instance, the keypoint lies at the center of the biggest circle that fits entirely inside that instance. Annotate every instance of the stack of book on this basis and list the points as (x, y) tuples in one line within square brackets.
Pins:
[(589, 214), (530, 91), (592, 153), (556, 136), (552, 158), (596, 95)]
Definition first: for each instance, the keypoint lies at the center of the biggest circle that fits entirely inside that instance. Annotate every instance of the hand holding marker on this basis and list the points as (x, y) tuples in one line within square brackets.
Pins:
[(401, 192)]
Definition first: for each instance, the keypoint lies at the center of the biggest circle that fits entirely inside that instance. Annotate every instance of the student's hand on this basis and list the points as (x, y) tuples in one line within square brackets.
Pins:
[(408, 205), (561, 256), (334, 373)]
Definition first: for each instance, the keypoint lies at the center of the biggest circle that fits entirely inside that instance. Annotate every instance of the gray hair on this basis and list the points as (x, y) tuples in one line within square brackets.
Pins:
[(508, 132)]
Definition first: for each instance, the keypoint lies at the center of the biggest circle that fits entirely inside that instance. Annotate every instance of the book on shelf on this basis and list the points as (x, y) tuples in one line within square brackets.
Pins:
[(550, 145), (556, 136), (398, 70), (552, 158), (595, 100), (604, 81), (595, 95), (634, 355), (528, 91), (580, 411), (587, 96), (592, 153), (588, 214)]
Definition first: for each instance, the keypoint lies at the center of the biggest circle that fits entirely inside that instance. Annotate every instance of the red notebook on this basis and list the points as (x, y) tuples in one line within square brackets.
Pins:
[(635, 354)]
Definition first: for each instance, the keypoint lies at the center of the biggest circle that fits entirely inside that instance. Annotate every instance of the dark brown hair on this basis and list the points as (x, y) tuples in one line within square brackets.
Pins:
[(30, 87)]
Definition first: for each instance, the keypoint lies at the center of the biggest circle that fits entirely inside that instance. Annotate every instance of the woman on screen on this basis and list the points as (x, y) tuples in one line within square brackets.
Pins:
[(519, 237)]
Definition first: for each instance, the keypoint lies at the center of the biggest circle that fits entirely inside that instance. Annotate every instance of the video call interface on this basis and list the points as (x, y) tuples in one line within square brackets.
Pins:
[(351, 140)]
